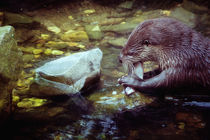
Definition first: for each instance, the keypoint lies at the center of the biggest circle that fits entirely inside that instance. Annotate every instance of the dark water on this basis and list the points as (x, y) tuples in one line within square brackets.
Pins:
[(100, 114)]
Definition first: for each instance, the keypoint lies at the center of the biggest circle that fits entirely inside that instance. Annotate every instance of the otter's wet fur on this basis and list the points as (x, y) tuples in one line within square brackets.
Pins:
[(182, 53)]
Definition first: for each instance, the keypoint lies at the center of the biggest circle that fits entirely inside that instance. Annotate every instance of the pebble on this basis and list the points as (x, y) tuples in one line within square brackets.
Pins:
[(15, 98), (89, 11), (31, 102), (54, 29), (57, 52), (27, 49), (28, 66), (70, 17), (37, 51), (73, 44), (166, 12), (114, 92), (81, 46), (37, 56), (75, 36), (45, 36), (48, 52)]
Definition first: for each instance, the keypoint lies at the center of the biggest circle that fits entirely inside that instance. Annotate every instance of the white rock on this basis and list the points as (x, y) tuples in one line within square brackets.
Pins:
[(69, 74)]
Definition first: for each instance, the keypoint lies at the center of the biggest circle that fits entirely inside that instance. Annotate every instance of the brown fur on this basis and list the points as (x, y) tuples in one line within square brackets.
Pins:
[(183, 54)]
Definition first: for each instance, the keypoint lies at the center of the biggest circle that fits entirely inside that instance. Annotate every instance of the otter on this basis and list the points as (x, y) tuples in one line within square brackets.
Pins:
[(183, 56)]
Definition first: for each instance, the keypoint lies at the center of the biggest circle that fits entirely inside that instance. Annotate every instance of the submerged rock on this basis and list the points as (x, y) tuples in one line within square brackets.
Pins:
[(94, 31), (126, 5), (13, 18), (76, 36), (118, 42), (119, 28), (68, 75), (113, 100), (184, 16), (10, 67), (54, 29)]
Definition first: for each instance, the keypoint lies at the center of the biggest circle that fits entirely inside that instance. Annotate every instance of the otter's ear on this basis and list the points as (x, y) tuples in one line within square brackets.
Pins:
[(145, 42)]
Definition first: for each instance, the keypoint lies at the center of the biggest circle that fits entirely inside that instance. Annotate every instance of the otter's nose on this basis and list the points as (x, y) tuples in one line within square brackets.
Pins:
[(120, 58)]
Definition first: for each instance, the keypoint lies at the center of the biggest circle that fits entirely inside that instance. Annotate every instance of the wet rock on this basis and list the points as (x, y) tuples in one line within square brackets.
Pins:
[(126, 5), (54, 29), (89, 11), (1, 18), (118, 42), (45, 36), (111, 21), (113, 100), (13, 18), (184, 16), (68, 75), (57, 52), (94, 32), (76, 36), (31, 102), (24, 35), (26, 49), (10, 54), (10, 67), (37, 51), (56, 45), (62, 45), (141, 16), (193, 7), (48, 51), (119, 28), (28, 57)]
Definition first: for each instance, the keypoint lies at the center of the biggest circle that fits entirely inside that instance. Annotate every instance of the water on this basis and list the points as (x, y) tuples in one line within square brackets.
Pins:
[(103, 113)]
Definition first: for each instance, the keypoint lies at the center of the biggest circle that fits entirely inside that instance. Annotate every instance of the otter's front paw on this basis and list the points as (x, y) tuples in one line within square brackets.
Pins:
[(128, 81)]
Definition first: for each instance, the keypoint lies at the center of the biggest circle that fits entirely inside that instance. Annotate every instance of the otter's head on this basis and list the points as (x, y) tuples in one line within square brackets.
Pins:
[(152, 40)]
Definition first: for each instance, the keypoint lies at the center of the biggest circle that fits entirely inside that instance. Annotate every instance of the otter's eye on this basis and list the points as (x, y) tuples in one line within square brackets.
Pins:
[(131, 53), (145, 42)]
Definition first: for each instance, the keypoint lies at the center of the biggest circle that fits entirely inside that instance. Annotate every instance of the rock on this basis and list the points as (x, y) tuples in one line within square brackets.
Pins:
[(22, 35), (126, 5), (31, 102), (56, 45), (113, 100), (94, 32), (68, 75), (193, 7), (118, 42), (111, 21), (63, 45), (28, 57), (54, 29), (89, 11), (10, 67), (27, 49), (1, 18), (184, 16), (10, 54), (57, 52), (120, 28), (45, 36), (13, 18), (76, 36), (37, 51), (48, 51)]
